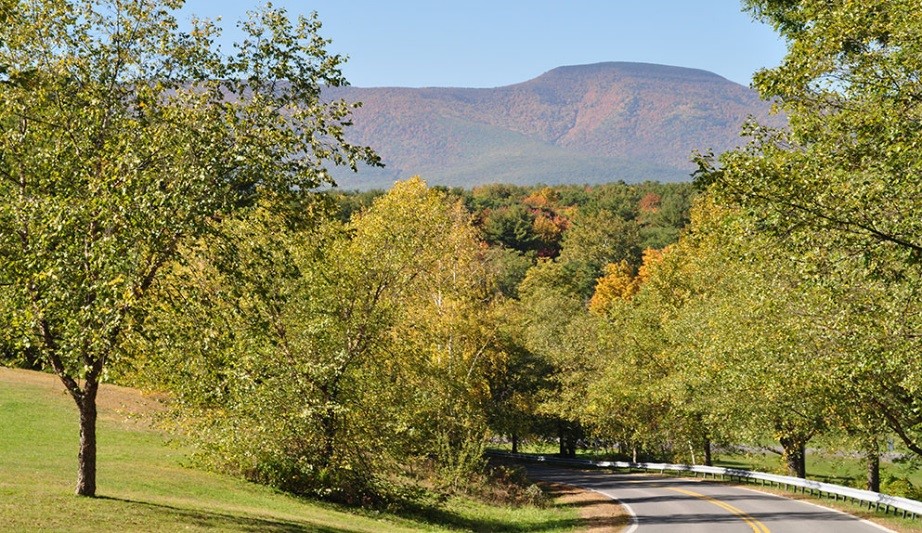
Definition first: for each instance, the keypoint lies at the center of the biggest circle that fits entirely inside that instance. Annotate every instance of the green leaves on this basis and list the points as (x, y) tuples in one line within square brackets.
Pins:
[(850, 86), (836, 197), (123, 139), (299, 335)]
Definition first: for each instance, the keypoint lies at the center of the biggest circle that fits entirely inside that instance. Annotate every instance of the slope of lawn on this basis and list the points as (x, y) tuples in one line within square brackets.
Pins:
[(143, 485)]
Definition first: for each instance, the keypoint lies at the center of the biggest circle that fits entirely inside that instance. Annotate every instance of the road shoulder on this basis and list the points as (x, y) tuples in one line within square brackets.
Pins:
[(598, 513)]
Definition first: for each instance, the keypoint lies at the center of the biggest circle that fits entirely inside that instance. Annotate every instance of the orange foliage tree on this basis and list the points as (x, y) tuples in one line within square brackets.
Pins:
[(620, 283)]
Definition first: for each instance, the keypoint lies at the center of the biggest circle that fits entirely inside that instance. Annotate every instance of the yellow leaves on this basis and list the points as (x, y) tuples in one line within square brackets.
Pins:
[(422, 250), (619, 282), (651, 258), (548, 229), (541, 199)]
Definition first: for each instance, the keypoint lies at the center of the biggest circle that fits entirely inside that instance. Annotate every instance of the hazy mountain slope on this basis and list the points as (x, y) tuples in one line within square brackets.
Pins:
[(588, 123)]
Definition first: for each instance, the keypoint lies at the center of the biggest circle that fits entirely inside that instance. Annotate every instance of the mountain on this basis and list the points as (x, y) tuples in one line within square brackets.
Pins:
[(575, 124)]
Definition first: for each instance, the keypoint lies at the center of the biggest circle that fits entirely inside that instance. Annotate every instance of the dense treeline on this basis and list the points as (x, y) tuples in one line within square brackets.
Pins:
[(525, 224), (789, 310), (339, 359)]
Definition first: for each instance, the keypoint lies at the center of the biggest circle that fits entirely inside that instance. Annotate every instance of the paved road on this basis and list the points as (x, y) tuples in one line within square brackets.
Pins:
[(667, 504)]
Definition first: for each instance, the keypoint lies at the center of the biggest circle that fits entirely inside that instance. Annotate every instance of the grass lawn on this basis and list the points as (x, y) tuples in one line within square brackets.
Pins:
[(143, 485), (830, 466)]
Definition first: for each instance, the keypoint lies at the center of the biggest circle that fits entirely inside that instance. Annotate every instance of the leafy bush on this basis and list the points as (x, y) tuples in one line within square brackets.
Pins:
[(894, 485)]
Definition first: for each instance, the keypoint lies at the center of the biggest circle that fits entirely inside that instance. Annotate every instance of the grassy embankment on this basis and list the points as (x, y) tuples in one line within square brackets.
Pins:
[(143, 485)]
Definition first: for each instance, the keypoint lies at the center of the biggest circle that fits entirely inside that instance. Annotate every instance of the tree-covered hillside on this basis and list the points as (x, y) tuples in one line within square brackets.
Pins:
[(578, 124)]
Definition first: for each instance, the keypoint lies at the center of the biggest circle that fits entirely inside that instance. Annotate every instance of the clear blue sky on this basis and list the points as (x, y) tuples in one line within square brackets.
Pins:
[(484, 43)]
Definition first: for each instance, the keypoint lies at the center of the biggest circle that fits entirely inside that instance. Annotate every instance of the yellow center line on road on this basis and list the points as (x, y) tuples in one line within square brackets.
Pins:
[(757, 527)]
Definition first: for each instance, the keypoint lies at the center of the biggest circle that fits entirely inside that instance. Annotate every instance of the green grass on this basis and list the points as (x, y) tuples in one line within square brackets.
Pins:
[(828, 465), (143, 485)]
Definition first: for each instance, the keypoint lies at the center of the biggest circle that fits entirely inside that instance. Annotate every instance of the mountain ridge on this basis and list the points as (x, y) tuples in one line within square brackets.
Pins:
[(572, 124)]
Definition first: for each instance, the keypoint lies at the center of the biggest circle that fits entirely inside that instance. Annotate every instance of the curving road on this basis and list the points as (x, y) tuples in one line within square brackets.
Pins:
[(667, 504)]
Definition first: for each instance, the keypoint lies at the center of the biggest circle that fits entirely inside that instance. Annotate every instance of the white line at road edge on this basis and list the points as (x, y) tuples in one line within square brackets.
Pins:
[(865, 521), (634, 521)]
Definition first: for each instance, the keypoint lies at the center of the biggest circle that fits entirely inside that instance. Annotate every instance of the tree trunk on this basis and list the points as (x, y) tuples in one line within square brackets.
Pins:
[(86, 457), (872, 455), (795, 456), (85, 399), (571, 445), (707, 452), (328, 425), (568, 438), (328, 418), (515, 443)]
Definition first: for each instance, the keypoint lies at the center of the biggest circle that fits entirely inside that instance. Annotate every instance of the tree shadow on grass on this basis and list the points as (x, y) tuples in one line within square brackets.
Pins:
[(203, 519), (424, 515), (591, 518), (448, 519)]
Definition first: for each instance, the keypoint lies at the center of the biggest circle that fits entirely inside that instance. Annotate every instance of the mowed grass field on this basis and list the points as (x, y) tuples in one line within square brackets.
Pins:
[(143, 485)]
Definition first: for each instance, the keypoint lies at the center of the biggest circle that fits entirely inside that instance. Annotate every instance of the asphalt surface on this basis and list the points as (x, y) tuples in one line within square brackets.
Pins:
[(668, 504)]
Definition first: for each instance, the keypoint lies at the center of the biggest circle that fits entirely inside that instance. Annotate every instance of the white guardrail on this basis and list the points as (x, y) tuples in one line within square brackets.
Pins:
[(873, 499)]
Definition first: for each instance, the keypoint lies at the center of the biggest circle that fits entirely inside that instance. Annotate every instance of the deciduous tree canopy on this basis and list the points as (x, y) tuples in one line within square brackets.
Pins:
[(122, 137)]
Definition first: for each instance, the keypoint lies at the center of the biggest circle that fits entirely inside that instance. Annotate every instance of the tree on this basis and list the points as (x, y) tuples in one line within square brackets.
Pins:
[(517, 389), (121, 138), (838, 188), (619, 282), (597, 239), (449, 330), (299, 335), (511, 227), (561, 337)]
